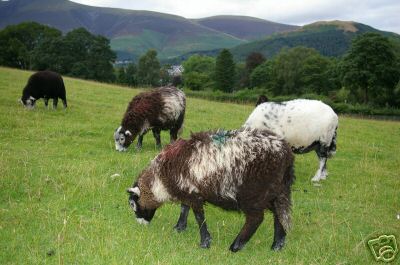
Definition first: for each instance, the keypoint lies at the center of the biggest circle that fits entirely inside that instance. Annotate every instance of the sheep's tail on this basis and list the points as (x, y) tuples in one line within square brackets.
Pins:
[(283, 202), (332, 147)]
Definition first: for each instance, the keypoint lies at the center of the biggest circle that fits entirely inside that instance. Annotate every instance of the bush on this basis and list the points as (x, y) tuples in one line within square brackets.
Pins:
[(250, 96)]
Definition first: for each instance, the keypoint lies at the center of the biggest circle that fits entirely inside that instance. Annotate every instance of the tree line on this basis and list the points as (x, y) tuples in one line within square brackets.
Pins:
[(78, 53), (368, 74)]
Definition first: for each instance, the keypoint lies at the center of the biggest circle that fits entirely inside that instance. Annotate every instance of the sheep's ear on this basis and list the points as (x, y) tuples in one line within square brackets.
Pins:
[(127, 132), (119, 129), (31, 98), (134, 190)]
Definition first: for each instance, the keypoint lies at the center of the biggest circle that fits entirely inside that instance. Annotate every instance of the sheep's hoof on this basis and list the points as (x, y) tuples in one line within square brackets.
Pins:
[(236, 246), (277, 246), (315, 179), (138, 147), (206, 243), (180, 227)]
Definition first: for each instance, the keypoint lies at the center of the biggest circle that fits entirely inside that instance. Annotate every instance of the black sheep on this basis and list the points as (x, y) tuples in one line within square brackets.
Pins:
[(46, 85)]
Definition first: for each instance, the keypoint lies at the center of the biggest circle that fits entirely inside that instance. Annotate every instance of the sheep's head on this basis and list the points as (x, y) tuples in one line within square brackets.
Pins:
[(28, 101), (123, 139), (143, 215)]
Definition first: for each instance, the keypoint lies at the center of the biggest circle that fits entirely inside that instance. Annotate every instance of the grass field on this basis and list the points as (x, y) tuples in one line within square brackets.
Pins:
[(60, 205)]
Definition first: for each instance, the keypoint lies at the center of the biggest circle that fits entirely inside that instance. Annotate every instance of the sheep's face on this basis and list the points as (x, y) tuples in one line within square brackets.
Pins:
[(143, 216), (123, 139), (28, 102)]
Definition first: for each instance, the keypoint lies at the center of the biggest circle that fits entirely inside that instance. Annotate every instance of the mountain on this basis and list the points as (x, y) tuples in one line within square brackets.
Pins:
[(330, 38), (244, 27), (133, 32)]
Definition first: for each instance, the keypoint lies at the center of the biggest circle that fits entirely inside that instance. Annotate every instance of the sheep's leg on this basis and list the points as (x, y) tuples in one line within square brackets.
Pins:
[(55, 102), (173, 135), (205, 237), (279, 233), (46, 102), (139, 142), (322, 173), (182, 221), (156, 134), (253, 221), (64, 100)]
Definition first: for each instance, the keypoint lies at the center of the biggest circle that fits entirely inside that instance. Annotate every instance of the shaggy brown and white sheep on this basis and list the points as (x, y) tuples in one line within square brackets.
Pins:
[(159, 109), (246, 170)]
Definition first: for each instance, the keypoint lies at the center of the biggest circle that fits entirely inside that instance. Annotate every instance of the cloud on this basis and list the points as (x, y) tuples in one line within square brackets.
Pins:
[(379, 14)]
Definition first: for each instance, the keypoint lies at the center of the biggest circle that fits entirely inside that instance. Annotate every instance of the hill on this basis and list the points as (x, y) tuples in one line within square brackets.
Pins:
[(133, 32), (330, 38), (63, 188), (244, 27)]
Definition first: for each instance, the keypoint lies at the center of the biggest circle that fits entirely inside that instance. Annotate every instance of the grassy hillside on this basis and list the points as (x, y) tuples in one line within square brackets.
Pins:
[(329, 38), (132, 32), (243, 27), (59, 203)]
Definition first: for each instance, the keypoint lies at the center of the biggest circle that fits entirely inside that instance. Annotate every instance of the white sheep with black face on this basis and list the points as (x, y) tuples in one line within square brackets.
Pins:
[(305, 124)]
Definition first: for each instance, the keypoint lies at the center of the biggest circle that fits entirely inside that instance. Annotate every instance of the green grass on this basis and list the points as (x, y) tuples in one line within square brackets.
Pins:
[(59, 204)]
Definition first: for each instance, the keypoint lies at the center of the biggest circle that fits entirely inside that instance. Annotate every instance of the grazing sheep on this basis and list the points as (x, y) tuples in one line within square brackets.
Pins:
[(305, 124), (261, 99), (159, 109), (46, 85), (246, 170)]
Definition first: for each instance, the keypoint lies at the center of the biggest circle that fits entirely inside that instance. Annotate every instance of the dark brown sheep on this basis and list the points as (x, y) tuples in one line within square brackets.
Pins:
[(159, 109), (46, 85), (244, 170)]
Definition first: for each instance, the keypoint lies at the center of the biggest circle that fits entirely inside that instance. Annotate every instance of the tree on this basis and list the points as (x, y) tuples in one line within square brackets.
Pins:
[(262, 75), (79, 54), (17, 43), (370, 69), (253, 60), (299, 70), (149, 69), (224, 71), (198, 72), (131, 75)]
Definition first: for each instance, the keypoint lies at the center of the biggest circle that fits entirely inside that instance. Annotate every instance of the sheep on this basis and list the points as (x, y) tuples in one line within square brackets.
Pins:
[(305, 124), (247, 170), (159, 109), (46, 85), (261, 99)]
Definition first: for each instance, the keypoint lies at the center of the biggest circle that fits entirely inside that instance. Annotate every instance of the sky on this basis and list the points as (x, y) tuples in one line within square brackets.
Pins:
[(380, 14)]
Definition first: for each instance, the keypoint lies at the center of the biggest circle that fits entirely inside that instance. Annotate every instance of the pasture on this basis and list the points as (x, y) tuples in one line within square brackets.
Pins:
[(61, 202)]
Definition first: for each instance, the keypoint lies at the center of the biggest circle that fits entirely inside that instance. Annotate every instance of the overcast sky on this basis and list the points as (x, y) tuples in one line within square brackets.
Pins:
[(381, 14)]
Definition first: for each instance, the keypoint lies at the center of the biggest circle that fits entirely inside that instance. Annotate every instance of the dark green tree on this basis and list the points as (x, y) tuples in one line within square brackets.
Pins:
[(121, 75), (17, 43), (198, 72), (299, 70), (262, 76), (370, 69), (79, 53), (131, 75), (224, 71), (149, 69)]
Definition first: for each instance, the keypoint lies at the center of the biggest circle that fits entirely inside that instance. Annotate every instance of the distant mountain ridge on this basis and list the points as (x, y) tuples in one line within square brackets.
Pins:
[(133, 32), (330, 38), (175, 38)]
